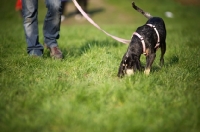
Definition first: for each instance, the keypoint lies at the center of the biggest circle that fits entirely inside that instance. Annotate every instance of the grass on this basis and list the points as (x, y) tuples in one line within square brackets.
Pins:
[(83, 93)]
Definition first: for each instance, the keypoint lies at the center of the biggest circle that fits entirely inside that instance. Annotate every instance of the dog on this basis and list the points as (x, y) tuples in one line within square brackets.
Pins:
[(146, 40)]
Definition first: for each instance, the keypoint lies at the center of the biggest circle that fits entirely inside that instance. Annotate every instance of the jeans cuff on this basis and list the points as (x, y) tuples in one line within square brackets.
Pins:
[(35, 53), (50, 46)]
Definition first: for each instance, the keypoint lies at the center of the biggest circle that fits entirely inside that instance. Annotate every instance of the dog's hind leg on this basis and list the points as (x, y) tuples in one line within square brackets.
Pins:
[(149, 60), (163, 49)]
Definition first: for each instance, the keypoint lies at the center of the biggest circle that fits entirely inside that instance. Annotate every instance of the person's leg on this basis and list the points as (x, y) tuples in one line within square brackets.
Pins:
[(30, 22), (51, 27)]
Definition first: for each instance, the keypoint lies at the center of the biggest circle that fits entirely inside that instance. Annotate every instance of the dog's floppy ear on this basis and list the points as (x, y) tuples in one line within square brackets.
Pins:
[(122, 69), (123, 66)]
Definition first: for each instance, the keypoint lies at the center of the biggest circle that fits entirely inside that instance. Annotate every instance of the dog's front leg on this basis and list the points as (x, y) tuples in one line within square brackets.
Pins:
[(149, 61)]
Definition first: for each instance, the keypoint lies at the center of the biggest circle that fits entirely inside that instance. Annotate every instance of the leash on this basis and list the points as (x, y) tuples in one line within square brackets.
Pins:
[(142, 40), (158, 41), (97, 26)]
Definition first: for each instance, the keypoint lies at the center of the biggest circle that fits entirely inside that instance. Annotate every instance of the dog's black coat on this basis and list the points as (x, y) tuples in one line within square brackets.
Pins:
[(131, 59)]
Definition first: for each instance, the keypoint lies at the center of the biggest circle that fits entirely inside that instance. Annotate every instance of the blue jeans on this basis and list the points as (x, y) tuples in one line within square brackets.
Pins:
[(51, 26)]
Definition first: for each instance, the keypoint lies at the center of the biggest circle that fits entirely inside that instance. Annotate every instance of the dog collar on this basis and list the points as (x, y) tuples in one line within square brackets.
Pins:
[(158, 41), (142, 40)]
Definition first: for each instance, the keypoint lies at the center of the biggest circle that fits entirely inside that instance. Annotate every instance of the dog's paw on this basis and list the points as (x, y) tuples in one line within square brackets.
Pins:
[(147, 71), (129, 72)]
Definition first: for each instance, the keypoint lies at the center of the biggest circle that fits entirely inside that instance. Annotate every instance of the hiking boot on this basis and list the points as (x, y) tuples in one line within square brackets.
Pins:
[(55, 53)]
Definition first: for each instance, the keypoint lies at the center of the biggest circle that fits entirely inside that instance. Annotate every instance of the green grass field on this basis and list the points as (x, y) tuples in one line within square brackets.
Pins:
[(82, 93)]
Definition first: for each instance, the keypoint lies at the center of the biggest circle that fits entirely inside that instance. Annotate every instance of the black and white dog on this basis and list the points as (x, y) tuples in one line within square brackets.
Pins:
[(146, 40)]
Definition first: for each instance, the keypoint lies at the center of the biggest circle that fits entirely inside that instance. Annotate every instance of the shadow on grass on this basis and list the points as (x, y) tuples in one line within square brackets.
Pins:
[(88, 46), (92, 44), (174, 59)]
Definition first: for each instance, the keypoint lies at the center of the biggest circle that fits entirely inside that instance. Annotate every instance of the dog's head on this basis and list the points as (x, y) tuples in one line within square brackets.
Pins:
[(129, 65)]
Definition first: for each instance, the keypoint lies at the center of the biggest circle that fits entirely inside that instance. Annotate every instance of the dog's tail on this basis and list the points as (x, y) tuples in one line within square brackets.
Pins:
[(146, 14)]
